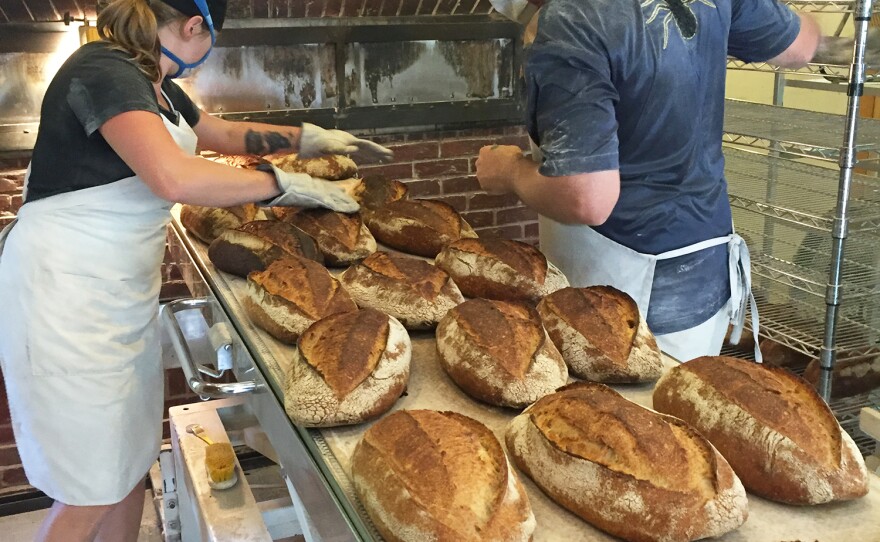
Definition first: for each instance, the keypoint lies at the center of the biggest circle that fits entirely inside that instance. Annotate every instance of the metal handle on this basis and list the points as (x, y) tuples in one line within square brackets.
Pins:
[(191, 370)]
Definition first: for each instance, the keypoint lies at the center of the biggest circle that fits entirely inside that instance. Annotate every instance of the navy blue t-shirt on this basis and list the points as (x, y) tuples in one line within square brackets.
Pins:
[(638, 86)]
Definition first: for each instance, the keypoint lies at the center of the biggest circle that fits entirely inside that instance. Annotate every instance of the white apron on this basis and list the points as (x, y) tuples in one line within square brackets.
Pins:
[(590, 259), (79, 342)]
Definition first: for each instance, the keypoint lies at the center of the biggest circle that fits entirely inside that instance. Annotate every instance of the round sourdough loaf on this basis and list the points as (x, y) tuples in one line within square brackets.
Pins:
[(629, 471), (778, 435), (348, 368), (420, 227), (255, 245), (500, 269), (207, 223), (292, 294), (499, 353), (375, 191), (424, 475), (335, 167), (850, 376), (342, 239), (601, 335), (409, 289)]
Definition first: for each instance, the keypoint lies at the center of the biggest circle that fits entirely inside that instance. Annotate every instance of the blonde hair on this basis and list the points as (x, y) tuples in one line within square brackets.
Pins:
[(132, 26)]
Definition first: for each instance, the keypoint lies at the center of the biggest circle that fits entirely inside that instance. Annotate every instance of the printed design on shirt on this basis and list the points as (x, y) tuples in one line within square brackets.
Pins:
[(679, 12)]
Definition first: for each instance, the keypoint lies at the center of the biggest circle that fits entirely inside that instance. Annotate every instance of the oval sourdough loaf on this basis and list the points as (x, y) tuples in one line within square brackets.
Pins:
[(850, 376), (335, 167), (207, 223), (499, 353), (424, 475), (601, 335), (256, 244), (636, 474), (349, 367), (375, 191), (782, 356), (500, 269), (778, 435), (343, 239), (409, 289), (292, 294), (420, 227)]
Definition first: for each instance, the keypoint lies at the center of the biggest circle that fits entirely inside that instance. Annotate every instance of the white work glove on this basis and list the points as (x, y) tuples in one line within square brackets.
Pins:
[(316, 141), (302, 190), (839, 51)]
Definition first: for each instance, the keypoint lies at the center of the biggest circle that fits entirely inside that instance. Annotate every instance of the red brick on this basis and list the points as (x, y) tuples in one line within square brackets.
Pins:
[(5, 220), (12, 476), (6, 434), (6, 204), (492, 201), (388, 139), (297, 9), (418, 189), (505, 232), (238, 9), (9, 186), (440, 168), (416, 151), (458, 202), (9, 456), (463, 147), (260, 9), (512, 216), (480, 219), (458, 185), (17, 202), (481, 132), (390, 171), (531, 230)]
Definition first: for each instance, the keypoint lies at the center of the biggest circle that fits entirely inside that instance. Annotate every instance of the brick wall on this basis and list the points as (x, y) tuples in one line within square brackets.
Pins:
[(441, 165), (434, 165)]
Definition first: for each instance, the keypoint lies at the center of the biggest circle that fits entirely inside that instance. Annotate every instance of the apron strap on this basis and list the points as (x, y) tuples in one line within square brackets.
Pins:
[(696, 247), (741, 295)]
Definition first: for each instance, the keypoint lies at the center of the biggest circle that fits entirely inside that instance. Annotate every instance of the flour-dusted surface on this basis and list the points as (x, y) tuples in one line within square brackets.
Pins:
[(429, 387)]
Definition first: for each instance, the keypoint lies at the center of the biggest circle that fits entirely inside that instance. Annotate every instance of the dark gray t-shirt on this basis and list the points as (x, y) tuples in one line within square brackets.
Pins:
[(638, 86), (95, 84)]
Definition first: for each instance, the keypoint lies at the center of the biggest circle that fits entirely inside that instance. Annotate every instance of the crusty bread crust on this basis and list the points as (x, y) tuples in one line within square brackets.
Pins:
[(601, 335), (342, 239), (424, 475), (420, 227), (629, 471), (778, 435)]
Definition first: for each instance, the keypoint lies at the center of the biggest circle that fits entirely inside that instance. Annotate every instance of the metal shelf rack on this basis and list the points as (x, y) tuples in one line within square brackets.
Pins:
[(824, 6), (797, 192), (831, 72), (796, 132)]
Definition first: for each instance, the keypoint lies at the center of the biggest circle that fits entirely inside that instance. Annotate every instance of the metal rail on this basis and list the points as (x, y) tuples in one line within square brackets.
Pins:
[(829, 71)]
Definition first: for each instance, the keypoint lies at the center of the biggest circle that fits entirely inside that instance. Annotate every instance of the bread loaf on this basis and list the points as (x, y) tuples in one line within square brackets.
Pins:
[(292, 294), (342, 239), (377, 191), (349, 367), (409, 289), (778, 354), (334, 167), (420, 227), (778, 435), (499, 353), (500, 269), (256, 244), (631, 472), (850, 376), (601, 335), (424, 475), (207, 223)]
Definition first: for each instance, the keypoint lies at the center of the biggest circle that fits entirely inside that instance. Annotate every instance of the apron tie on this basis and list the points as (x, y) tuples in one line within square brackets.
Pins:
[(741, 296)]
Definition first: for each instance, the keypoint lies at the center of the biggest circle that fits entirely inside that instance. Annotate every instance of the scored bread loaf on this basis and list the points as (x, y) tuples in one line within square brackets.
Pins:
[(256, 244), (349, 367), (424, 475), (499, 353), (849, 377), (627, 470), (375, 191), (601, 335), (292, 294), (500, 269), (335, 167), (342, 239), (207, 223), (409, 289), (778, 435), (420, 227)]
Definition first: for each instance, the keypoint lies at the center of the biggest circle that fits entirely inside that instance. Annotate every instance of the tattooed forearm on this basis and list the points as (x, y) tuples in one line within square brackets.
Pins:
[(265, 142)]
